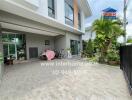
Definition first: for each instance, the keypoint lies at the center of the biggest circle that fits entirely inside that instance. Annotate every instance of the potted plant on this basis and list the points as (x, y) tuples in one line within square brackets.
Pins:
[(113, 57), (21, 55), (69, 55)]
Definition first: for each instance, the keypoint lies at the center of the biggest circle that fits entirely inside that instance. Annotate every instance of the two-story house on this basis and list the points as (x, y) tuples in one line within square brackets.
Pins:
[(28, 27)]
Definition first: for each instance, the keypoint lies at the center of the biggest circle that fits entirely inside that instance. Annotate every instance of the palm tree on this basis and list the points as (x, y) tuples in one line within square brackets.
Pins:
[(106, 31)]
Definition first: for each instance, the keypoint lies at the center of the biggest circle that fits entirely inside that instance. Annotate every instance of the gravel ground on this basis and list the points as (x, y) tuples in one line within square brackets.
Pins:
[(63, 80)]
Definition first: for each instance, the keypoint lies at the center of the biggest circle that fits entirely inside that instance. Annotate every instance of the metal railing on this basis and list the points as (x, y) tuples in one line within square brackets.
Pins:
[(126, 63)]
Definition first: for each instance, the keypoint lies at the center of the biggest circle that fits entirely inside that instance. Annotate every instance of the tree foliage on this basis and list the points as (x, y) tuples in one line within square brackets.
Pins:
[(106, 31), (129, 40), (90, 48)]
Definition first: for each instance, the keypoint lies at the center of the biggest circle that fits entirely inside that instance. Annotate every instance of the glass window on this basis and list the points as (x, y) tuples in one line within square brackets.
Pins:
[(74, 47), (69, 14), (51, 8), (14, 45), (19, 39), (5, 49), (11, 37), (47, 42), (5, 38), (12, 48), (79, 21)]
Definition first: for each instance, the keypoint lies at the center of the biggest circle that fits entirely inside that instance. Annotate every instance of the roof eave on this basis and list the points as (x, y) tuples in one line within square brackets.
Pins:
[(85, 7)]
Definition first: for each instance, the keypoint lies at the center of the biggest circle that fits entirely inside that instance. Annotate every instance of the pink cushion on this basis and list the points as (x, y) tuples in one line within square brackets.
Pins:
[(50, 54)]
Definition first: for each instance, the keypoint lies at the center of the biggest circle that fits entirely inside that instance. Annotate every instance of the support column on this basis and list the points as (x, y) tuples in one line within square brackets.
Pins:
[(81, 44), (75, 6), (82, 22)]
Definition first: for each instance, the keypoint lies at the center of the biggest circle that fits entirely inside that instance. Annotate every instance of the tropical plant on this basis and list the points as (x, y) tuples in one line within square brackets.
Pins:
[(68, 49), (90, 48), (106, 31)]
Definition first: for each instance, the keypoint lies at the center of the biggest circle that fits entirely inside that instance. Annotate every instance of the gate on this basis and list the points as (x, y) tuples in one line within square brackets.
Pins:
[(126, 63)]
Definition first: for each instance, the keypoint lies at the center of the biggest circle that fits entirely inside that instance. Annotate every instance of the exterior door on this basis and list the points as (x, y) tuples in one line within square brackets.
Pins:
[(14, 45), (12, 50), (33, 52), (5, 49), (74, 47)]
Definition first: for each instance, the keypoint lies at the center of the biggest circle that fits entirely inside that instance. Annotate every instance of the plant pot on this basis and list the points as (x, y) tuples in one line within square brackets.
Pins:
[(113, 62), (118, 62), (69, 55)]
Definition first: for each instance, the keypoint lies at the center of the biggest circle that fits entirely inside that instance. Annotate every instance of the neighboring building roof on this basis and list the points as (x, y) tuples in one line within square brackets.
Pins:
[(109, 10), (87, 28), (88, 34)]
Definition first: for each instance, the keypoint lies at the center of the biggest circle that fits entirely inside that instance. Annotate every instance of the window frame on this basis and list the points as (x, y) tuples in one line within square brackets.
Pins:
[(66, 17), (79, 21), (52, 9), (47, 42)]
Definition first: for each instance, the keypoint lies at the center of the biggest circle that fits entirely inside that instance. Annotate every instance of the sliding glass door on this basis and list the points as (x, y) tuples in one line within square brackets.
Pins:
[(75, 47), (5, 50), (14, 45), (10, 50)]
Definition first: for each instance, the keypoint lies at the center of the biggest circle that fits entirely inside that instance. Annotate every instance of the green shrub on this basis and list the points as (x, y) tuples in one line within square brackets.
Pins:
[(93, 59), (90, 48), (113, 55)]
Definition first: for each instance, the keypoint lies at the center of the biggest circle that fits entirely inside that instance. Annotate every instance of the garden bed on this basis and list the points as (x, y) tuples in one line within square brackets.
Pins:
[(113, 63)]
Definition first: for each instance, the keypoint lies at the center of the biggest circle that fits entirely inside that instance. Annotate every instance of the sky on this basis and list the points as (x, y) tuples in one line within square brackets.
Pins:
[(98, 5)]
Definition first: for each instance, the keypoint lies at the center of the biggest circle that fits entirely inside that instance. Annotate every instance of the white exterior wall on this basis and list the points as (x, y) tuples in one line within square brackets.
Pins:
[(33, 40), (71, 36), (43, 7), (60, 11), (34, 2), (22, 24), (60, 42), (63, 42), (38, 6), (29, 9)]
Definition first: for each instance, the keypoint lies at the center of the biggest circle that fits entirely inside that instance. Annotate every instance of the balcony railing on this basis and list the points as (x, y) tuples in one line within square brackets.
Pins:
[(51, 12), (68, 21)]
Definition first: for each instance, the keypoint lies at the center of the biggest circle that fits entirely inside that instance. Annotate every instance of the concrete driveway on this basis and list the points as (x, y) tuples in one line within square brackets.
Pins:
[(63, 80)]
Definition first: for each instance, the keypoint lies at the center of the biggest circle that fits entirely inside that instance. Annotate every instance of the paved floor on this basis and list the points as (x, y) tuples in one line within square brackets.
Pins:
[(63, 80)]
